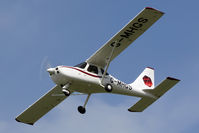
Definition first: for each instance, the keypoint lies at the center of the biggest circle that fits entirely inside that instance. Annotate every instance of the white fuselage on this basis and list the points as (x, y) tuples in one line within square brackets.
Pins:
[(83, 81)]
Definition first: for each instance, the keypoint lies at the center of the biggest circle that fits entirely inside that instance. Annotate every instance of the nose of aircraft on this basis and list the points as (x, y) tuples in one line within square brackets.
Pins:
[(51, 71)]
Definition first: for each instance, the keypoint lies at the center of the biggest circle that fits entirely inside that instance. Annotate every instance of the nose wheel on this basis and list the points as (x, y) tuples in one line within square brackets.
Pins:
[(66, 92), (82, 109)]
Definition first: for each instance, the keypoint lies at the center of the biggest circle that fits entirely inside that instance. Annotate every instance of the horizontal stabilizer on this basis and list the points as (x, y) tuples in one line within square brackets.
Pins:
[(158, 91), (141, 105)]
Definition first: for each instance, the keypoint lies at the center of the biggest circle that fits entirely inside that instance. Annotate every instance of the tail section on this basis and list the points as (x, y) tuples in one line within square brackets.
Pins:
[(145, 84), (145, 80), (158, 91)]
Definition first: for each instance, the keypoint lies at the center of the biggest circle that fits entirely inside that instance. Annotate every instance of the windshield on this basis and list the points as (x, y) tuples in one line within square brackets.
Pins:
[(81, 65)]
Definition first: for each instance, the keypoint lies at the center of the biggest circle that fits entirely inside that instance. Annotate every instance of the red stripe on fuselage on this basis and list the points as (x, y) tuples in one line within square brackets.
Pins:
[(83, 72)]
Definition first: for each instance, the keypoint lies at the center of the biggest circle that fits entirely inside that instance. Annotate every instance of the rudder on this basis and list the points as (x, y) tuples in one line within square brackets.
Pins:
[(145, 80)]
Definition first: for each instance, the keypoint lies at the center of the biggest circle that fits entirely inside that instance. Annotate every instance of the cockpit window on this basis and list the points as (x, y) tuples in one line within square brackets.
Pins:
[(102, 70), (93, 69), (81, 65)]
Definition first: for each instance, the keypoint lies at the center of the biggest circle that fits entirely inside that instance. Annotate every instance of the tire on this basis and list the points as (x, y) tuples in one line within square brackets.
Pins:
[(108, 88), (81, 110)]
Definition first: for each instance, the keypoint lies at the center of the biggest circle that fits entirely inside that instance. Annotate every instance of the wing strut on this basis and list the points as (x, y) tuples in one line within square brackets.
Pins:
[(135, 28), (113, 45)]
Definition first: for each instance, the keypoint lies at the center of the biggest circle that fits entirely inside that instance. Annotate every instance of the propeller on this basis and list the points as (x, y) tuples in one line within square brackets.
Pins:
[(45, 64)]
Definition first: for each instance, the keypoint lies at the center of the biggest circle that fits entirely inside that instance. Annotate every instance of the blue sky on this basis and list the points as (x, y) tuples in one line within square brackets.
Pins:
[(68, 32)]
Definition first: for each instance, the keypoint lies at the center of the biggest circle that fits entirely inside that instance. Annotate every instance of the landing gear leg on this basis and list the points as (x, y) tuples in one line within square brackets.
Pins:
[(82, 109)]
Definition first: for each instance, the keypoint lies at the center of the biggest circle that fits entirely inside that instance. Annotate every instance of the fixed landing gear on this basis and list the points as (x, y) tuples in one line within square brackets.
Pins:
[(108, 88), (82, 109), (65, 89), (66, 92)]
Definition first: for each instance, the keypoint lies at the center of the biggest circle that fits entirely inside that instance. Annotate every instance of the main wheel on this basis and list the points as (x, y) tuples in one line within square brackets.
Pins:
[(81, 109), (66, 92), (108, 88)]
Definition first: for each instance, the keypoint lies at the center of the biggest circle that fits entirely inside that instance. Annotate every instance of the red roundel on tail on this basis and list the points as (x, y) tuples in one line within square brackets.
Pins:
[(147, 81)]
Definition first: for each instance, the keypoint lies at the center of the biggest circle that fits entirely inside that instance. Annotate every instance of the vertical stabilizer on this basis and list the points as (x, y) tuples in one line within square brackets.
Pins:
[(145, 80)]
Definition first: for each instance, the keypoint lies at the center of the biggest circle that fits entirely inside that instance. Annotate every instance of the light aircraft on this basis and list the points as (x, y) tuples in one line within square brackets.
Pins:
[(91, 76)]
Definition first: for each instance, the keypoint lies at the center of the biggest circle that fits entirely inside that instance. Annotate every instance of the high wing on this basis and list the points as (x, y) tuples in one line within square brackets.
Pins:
[(125, 36), (42, 106)]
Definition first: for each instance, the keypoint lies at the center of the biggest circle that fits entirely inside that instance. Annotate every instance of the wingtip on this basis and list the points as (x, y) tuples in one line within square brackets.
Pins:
[(170, 78), (132, 110), (23, 122), (150, 8), (30, 124), (17, 120)]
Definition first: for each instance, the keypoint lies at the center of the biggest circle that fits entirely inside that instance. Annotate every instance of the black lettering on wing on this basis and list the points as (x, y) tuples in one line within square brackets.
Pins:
[(137, 25), (126, 34), (143, 20), (121, 39), (114, 43), (132, 29)]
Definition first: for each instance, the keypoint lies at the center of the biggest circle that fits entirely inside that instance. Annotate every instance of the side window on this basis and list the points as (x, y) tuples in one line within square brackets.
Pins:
[(93, 69), (102, 70), (81, 65)]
